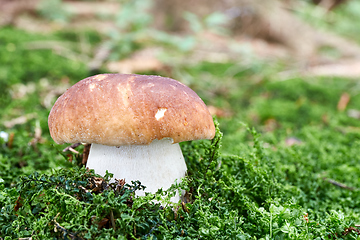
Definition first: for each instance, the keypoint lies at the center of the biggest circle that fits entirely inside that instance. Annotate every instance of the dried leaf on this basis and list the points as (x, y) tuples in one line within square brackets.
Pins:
[(345, 68), (20, 120), (18, 204), (351, 229), (119, 184), (90, 8), (70, 157), (292, 141), (219, 112), (343, 102), (96, 184), (271, 124), (142, 61), (102, 223), (325, 119)]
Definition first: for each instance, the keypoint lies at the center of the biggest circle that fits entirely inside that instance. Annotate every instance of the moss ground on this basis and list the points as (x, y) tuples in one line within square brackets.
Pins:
[(250, 182)]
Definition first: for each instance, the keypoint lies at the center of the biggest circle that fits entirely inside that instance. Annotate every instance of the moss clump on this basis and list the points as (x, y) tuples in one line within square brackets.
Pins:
[(229, 196)]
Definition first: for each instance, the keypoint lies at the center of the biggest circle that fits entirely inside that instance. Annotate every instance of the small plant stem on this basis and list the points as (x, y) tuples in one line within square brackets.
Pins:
[(338, 184), (212, 155), (270, 225)]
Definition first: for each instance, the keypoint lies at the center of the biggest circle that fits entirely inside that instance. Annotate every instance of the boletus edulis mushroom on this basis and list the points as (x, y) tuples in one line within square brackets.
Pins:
[(134, 124)]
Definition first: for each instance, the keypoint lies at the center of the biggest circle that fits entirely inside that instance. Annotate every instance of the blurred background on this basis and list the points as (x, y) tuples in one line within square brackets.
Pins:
[(287, 69), (274, 64)]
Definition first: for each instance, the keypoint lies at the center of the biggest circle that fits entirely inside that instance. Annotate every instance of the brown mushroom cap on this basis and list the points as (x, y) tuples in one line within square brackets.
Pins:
[(123, 109)]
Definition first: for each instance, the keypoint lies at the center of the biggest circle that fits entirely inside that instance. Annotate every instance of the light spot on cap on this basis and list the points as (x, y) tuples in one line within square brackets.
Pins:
[(160, 113), (92, 86), (100, 77), (125, 94)]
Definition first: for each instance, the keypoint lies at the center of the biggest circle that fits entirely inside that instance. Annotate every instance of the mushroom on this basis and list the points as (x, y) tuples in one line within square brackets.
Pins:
[(134, 124)]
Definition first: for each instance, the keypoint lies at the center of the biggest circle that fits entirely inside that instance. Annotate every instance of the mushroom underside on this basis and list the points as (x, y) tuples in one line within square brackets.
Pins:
[(157, 165)]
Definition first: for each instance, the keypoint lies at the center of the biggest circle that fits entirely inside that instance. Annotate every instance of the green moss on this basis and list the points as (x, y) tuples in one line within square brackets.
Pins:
[(20, 63), (260, 193)]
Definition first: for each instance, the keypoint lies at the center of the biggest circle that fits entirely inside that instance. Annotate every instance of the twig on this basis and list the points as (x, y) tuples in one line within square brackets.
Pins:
[(350, 230), (84, 189), (20, 120), (112, 220), (73, 146), (183, 205), (11, 140), (101, 54), (86, 154), (73, 150), (37, 135), (59, 48), (64, 230), (338, 184)]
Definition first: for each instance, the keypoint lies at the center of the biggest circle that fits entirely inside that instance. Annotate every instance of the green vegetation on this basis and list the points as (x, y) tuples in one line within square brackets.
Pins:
[(247, 183)]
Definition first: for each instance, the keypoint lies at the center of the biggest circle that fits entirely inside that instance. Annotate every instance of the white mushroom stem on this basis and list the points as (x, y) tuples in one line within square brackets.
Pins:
[(157, 165)]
